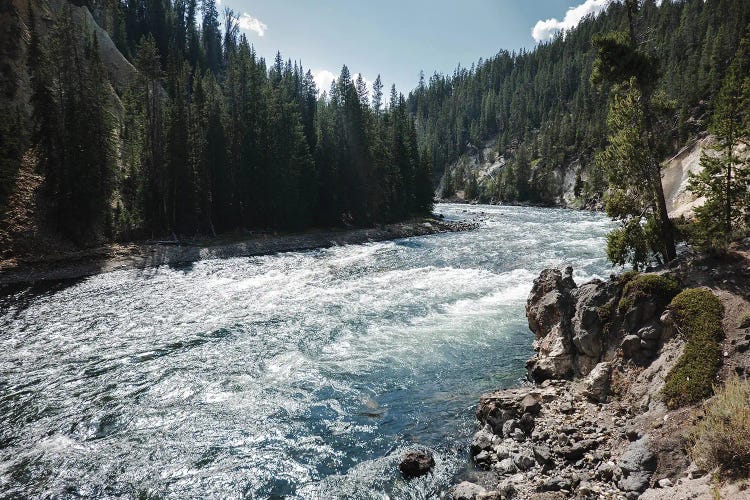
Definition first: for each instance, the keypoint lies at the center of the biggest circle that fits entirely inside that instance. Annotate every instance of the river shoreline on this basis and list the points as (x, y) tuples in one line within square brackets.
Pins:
[(593, 422), (114, 257)]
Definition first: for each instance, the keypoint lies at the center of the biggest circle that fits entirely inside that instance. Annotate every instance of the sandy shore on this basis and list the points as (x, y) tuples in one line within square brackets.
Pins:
[(114, 257)]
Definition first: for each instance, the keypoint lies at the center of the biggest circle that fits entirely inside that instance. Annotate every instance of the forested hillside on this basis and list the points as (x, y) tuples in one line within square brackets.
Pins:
[(514, 127), (200, 136)]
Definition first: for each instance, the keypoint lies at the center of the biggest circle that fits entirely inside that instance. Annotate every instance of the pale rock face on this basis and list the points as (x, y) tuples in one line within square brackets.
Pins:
[(467, 491)]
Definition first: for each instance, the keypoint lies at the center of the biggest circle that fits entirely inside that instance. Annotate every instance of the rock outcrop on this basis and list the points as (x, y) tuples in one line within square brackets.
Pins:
[(602, 350), (416, 463), (576, 327)]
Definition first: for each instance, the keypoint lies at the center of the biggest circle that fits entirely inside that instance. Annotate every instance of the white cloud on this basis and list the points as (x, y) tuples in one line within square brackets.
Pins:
[(544, 30), (323, 79), (250, 23)]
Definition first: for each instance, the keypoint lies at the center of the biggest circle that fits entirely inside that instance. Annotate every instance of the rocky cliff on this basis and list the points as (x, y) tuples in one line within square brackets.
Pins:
[(593, 422), (485, 166)]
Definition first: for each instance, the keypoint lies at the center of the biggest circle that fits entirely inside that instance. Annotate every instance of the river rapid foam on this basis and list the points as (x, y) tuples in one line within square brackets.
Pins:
[(303, 374)]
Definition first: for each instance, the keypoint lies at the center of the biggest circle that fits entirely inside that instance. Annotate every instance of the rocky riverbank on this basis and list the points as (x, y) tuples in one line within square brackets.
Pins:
[(71, 265), (593, 421)]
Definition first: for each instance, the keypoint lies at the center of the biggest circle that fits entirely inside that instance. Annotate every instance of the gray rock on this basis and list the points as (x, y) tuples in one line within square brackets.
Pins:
[(527, 423), (543, 455), (549, 309), (524, 460), (482, 458), (507, 488), (531, 404), (467, 491), (586, 323), (650, 332), (638, 457), (509, 427), (556, 483), (636, 482), (665, 483), (502, 451), (416, 463), (631, 345), (482, 441), (506, 466), (606, 471), (491, 495), (667, 321), (597, 383), (519, 435)]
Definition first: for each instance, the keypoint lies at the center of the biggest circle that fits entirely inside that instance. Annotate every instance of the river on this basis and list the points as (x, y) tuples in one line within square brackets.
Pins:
[(301, 375)]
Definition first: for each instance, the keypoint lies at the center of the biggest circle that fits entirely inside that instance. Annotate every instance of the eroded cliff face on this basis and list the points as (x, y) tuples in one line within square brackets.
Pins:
[(486, 167)]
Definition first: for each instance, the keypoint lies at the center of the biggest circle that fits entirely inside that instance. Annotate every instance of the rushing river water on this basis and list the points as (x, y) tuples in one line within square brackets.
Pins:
[(302, 374)]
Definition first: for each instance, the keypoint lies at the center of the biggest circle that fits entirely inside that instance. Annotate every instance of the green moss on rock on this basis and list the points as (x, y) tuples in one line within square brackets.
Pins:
[(697, 314), (661, 288)]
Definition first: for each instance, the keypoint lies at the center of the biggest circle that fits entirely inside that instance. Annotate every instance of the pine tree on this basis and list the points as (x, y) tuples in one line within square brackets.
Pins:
[(724, 180), (377, 97), (632, 155)]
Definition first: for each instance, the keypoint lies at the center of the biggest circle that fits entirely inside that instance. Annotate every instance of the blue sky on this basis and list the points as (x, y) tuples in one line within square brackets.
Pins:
[(399, 38)]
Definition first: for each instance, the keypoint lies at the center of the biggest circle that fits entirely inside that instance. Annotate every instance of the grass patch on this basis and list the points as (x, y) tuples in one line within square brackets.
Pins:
[(640, 286), (722, 438), (744, 321), (697, 314)]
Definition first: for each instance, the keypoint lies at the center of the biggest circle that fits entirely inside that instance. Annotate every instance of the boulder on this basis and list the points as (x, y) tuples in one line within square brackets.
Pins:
[(548, 310), (482, 441), (637, 464), (467, 491), (638, 457), (631, 345), (506, 466), (543, 455), (415, 463), (636, 482), (527, 423), (531, 404), (597, 384), (556, 483), (571, 324), (524, 460), (502, 451), (586, 322), (510, 426)]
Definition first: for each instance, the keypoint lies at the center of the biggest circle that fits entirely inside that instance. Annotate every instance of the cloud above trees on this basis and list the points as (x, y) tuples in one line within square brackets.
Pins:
[(546, 29), (250, 23)]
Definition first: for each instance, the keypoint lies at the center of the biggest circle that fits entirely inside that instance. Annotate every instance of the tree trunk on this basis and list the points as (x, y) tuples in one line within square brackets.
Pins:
[(665, 225)]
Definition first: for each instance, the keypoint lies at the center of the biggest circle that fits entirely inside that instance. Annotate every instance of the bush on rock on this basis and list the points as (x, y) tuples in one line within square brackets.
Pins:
[(697, 315)]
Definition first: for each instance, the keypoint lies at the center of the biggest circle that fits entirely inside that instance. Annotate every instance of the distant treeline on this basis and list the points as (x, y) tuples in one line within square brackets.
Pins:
[(542, 112)]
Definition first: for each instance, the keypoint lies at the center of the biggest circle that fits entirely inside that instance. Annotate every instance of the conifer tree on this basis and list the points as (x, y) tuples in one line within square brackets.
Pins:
[(724, 180)]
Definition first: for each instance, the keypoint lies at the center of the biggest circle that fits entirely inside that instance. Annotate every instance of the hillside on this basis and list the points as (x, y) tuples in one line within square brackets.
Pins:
[(142, 120), (526, 126)]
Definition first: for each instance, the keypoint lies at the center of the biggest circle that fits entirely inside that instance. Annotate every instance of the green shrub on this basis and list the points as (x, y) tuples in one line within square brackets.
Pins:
[(697, 314), (744, 321), (722, 438), (637, 287)]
